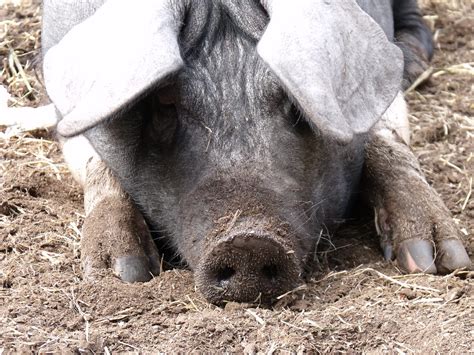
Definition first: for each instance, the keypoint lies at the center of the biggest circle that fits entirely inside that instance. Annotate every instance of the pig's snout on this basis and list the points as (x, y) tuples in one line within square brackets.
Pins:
[(248, 267)]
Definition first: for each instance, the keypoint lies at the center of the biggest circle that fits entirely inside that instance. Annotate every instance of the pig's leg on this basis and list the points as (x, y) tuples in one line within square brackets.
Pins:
[(114, 234), (413, 223), (414, 39)]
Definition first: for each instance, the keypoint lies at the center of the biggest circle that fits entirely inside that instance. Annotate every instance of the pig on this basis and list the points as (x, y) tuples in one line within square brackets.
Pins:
[(228, 134)]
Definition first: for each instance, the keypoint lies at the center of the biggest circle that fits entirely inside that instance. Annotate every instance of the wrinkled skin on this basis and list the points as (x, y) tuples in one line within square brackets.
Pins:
[(235, 181)]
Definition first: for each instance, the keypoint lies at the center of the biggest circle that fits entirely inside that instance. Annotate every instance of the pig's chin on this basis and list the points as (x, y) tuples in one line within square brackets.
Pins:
[(249, 262)]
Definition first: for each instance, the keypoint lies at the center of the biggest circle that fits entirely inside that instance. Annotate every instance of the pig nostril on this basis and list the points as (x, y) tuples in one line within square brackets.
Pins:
[(270, 271), (224, 274)]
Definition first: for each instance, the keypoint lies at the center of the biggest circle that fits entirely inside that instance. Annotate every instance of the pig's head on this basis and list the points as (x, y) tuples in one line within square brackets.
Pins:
[(239, 137)]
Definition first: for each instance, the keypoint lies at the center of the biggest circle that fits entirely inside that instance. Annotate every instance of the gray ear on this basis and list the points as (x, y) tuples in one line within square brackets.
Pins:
[(111, 58), (334, 60)]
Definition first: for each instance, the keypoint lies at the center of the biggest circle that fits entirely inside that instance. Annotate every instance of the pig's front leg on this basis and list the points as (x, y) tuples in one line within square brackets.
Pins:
[(413, 223), (114, 234)]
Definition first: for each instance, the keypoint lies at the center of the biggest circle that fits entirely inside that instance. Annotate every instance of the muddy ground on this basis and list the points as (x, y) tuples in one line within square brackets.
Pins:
[(355, 301)]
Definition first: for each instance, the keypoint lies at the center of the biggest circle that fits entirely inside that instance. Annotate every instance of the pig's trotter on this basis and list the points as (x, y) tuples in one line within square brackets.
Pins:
[(116, 236), (416, 58), (413, 37), (413, 223)]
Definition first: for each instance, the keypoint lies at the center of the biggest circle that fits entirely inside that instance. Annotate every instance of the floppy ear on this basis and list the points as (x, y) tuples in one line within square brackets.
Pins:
[(334, 60), (110, 59)]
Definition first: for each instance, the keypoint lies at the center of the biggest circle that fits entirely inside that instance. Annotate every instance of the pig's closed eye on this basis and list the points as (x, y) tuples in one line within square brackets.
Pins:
[(162, 117), (167, 96), (298, 120)]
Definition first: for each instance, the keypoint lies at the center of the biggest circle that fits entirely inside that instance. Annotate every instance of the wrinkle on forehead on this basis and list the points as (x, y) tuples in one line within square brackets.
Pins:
[(206, 20), (228, 101), (223, 73)]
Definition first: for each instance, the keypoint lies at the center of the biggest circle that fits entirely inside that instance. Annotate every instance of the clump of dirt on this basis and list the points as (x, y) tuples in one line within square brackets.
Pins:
[(355, 301)]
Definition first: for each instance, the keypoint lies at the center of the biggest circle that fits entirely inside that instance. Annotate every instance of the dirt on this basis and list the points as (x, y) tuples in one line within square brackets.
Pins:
[(355, 302)]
